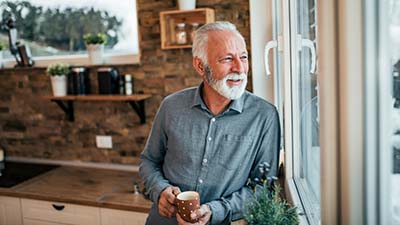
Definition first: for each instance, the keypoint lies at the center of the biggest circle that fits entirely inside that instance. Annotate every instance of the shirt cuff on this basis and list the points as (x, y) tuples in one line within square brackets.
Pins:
[(220, 212), (157, 189)]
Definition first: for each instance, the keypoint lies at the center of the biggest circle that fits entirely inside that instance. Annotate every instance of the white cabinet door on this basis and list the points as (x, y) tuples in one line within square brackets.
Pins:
[(59, 213), (10, 211), (39, 222), (122, 217)]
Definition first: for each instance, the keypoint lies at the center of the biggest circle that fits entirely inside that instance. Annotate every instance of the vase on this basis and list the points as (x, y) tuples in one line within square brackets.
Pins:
[(59, 85), (186, 4), (95, 53)]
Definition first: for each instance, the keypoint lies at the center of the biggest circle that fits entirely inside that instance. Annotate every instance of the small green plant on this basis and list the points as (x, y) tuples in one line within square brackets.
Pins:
[(2, 46), (92, 39), (268, 208), (58, 69)]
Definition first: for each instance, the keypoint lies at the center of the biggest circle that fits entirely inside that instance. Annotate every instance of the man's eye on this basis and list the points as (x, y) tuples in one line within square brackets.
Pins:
[(244, 57), (227, 59)]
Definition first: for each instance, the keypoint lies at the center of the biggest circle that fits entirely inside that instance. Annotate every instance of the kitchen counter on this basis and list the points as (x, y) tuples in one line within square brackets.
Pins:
[(85, 186)]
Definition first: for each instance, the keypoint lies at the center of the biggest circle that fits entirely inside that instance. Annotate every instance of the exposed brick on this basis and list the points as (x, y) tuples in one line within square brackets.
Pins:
[(33, 127)]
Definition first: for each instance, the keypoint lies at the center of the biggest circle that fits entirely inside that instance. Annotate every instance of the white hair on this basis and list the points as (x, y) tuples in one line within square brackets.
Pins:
[(199, 48)]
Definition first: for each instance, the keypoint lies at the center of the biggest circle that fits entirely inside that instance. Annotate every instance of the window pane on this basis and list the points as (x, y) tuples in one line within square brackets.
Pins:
[(57, 27), (307, 107), (394, 26)]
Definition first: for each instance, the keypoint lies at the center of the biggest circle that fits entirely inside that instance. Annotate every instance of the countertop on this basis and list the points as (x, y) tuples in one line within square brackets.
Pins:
[(86, 186)]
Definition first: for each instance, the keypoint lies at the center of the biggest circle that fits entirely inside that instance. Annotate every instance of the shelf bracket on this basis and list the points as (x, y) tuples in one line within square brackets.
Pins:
[(68, 108), (139, 109)]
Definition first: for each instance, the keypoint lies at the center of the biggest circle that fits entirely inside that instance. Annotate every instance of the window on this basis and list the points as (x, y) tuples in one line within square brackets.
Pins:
[(55, 29), (293, 47), (305, 107)]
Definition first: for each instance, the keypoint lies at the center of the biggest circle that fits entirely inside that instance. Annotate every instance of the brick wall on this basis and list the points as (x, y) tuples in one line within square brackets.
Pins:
[(33, 127)]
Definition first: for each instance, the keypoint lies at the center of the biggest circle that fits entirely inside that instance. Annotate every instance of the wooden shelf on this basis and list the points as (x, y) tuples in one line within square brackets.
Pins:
[(66, 102), (168, 20)]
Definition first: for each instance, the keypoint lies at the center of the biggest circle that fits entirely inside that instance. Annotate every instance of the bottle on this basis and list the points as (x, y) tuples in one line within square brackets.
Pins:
[(180, 34), (193, 29), (121, 85), (128, 84), (1, 161)]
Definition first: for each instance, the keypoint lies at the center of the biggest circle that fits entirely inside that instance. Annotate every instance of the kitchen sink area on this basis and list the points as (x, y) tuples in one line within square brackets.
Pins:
[(14, 173)]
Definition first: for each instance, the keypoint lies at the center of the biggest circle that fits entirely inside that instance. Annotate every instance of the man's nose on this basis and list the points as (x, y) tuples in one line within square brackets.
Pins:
[(238, 65)]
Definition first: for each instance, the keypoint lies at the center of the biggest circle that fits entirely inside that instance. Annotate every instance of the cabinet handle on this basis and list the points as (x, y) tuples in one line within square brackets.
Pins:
[(58, 207)]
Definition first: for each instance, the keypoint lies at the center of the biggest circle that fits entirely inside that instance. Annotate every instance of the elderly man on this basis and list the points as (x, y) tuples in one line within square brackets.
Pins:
[(210, 138)]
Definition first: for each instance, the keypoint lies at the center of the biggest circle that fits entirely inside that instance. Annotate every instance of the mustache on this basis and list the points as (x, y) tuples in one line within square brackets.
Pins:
[(236, 76)]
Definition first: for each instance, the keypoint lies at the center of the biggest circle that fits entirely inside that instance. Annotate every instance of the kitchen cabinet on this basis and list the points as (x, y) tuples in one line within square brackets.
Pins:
[(52, 213), (10, 211), (170, 19), (122, 217)]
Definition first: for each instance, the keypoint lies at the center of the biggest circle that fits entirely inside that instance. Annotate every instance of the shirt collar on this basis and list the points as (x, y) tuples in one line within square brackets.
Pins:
[(236, 104)]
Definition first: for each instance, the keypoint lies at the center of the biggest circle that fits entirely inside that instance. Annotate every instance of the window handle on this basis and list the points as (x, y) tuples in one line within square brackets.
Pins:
[(270, 45), (309, 44)]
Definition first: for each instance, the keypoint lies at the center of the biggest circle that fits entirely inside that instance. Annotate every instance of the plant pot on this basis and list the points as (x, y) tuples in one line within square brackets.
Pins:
[(95, 53), (186, 4), (59, 85)]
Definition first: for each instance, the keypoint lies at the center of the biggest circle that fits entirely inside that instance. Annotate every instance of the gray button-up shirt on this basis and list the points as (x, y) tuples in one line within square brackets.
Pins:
[(193, 149)]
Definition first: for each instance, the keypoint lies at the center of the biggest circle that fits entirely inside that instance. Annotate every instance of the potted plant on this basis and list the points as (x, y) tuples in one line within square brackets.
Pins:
[(58, 74), (267, 207), (95, 46), (2, 47)]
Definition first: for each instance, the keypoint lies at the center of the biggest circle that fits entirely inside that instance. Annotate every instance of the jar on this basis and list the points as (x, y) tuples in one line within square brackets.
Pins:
[(128, 84), (180, 34), (193, 29)]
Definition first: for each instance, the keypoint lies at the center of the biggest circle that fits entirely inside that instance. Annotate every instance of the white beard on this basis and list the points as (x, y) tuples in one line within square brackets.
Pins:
[(222, 87)]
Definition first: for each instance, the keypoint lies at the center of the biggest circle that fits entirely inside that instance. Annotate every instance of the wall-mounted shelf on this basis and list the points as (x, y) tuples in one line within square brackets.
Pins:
[(66, 103), (168, 20)]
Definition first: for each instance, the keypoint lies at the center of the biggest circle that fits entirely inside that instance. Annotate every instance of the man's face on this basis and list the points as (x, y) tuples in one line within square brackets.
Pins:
[(227, 67)]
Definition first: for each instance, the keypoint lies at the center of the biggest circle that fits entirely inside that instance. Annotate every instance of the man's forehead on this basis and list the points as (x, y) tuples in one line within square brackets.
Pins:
[(226, 40)]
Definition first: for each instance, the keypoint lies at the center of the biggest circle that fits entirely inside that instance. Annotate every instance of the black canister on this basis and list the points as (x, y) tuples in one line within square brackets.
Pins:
[(109, 80), (79, 82)]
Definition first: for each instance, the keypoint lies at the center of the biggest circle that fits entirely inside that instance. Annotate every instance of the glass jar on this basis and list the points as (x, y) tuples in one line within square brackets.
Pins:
[(180, 34), (193, 29)]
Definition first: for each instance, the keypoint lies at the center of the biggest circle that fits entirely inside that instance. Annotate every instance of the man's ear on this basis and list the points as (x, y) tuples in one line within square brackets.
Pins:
[(198, 66)]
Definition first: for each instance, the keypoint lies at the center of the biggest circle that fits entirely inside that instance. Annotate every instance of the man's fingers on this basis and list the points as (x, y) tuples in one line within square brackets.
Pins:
[(180, 220), (176, 190), (200, 213), (171, 198), (167, 207)]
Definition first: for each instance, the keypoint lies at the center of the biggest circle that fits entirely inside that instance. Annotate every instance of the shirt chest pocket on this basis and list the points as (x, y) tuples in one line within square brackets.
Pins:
[(234, 150)]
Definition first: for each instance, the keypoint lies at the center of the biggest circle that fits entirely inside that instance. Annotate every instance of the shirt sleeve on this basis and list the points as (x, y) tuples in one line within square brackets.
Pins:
[(152, 158), (231, 207)]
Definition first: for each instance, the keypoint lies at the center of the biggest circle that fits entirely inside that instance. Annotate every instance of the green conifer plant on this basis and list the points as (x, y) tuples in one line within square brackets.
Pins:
[(268, 208)]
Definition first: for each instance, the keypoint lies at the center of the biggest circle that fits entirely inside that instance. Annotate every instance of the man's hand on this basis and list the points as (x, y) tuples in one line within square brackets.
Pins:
[(166, 203), (203, 216)]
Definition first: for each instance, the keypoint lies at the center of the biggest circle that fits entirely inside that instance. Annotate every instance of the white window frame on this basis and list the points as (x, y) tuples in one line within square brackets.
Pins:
[(378, 109), (110, 58)]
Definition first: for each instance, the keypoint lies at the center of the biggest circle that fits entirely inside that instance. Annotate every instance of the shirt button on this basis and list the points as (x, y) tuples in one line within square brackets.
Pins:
[(213, 120), (209, 138), (200, 181), (204, 161)]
